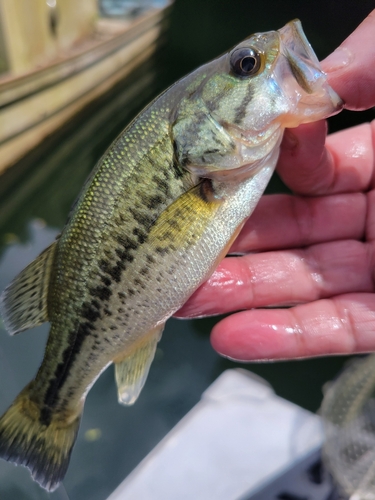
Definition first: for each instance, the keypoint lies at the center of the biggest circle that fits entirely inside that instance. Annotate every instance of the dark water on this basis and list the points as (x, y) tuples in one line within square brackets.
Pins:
[(35, 198)]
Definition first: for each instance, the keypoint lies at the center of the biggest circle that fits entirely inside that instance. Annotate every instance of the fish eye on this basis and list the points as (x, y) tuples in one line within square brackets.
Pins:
[(245, 61)]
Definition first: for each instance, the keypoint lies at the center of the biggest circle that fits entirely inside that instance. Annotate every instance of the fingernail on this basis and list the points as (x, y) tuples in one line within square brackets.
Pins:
[(340, 58)]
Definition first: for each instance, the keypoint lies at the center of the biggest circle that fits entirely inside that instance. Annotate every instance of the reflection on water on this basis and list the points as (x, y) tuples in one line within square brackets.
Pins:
[(45, 184), (128, 8)]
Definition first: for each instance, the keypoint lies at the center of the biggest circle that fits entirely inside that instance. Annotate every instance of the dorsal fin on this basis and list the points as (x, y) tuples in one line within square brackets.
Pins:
[(23, 304)]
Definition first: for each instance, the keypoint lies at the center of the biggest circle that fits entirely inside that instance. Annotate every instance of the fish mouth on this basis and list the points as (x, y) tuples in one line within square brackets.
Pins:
[(299, 72)]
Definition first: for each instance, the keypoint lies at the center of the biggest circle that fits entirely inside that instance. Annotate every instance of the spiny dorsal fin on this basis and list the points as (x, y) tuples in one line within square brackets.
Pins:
[(131, 371), (23, 304)]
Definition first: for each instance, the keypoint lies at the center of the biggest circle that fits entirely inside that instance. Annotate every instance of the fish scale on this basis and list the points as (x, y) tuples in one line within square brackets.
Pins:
[(155, 217), (96, 261)]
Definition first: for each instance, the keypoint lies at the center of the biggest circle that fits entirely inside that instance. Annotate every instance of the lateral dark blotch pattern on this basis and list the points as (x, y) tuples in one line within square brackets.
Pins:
[(105, 280), (140, 234), (113, 271), (127, 243), (101, 292), (76, 339), (124, 255), (45, 416), (162, 185), (90, 312), (144, 219), (153, 202)]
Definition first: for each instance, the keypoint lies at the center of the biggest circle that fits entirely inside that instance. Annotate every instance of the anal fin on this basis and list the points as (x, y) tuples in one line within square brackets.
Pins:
[(132, 369), (23, 304)]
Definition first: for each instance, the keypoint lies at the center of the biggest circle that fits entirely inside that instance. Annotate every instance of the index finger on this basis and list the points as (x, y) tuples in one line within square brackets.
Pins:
[(312, 164)]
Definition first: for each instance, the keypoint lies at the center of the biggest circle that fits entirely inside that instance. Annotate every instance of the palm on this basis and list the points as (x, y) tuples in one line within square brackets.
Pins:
[(316, 249)]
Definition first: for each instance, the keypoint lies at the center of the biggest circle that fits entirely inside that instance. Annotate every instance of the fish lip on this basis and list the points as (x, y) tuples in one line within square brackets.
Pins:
[(298, 58), (294, 41)]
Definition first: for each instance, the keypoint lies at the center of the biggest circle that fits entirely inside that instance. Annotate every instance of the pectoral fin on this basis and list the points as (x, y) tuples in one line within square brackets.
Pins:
[(131, 371), (23, 304)]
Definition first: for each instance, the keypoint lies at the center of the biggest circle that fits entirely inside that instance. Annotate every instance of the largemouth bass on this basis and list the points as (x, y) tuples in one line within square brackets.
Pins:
[(155, 217)]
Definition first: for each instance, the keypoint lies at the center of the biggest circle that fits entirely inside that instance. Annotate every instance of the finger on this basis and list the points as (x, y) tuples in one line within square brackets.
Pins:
[(352, 152), (342, 325), (284, 278), (285, 221), (345, 164), (350, 67), (302, 164), (370, 223)]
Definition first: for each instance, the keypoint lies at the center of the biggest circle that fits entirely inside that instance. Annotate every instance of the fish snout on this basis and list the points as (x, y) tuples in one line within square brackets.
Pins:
[(303, 79)]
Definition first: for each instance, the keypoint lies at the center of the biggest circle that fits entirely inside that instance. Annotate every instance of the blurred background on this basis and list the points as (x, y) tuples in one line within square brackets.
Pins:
[(37, 190)]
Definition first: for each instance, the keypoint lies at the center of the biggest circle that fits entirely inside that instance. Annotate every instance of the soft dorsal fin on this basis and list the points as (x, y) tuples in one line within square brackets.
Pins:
[(23, 304), (131, 371)]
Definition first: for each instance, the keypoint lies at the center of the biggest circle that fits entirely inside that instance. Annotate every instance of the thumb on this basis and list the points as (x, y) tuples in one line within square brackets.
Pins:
[(350, 68)]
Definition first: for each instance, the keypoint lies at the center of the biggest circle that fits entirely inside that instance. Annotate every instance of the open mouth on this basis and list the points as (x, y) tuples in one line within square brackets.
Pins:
[(307, 83)]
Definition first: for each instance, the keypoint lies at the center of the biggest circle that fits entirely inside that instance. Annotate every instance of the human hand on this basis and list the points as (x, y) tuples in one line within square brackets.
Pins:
[(316, 247)]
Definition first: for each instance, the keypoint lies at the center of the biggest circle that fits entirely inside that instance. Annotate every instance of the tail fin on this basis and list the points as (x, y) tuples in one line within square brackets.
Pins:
[(45, 450)]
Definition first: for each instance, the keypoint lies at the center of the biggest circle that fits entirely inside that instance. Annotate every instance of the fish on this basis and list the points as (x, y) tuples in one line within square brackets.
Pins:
[(155, 217)]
